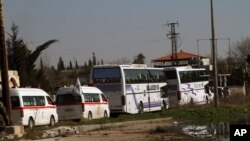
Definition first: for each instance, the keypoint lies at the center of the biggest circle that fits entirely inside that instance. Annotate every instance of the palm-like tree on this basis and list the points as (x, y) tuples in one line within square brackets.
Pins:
[(21, 58)]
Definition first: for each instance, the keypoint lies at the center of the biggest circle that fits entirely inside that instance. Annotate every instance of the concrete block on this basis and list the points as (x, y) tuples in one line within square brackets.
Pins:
[(15, 129)]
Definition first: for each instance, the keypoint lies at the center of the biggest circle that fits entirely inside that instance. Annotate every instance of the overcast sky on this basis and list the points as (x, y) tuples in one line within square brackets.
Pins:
[(116, 29)]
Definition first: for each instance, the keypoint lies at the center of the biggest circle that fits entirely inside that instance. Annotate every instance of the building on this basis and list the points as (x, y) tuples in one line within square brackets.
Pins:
[(183, 59), (14, 80)]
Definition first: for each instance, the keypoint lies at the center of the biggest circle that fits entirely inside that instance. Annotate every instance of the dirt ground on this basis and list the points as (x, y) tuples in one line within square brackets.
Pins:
[(135, 132)]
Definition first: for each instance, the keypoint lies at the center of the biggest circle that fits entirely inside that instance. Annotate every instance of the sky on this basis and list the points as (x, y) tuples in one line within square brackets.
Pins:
[(117, 29)]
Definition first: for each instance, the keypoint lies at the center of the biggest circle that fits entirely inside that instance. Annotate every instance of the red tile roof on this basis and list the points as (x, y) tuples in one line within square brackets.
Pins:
[(180, 56)]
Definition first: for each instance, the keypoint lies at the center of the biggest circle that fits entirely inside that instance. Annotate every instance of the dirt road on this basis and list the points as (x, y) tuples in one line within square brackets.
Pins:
[(153, 130)]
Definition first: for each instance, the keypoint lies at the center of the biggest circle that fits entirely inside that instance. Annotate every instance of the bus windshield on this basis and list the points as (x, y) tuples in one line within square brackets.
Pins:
[(106, 75)]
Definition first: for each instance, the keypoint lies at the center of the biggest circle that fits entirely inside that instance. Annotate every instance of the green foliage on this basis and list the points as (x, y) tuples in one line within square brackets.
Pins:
[(22, 58), (139, 59)]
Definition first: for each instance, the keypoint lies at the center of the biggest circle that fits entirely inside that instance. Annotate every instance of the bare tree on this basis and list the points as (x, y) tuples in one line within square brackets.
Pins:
[(239, 52)]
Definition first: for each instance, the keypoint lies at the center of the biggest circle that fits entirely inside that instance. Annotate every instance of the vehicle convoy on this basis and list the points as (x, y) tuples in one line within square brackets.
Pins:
[(132, 88), (188, 85), (32, 107), (89, 103)]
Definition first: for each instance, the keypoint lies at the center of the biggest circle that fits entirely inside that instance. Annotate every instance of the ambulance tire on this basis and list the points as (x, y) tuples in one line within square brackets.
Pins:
[(105, 114), (52, 121), (90, 116), (31, 123)]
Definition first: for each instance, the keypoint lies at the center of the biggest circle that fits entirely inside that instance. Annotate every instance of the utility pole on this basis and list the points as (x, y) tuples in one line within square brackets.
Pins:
[(214, 53), (4, 66), (172, 36)]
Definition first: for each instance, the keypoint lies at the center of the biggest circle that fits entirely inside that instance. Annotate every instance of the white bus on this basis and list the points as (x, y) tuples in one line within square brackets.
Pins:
[(187, 85), (131, 88)]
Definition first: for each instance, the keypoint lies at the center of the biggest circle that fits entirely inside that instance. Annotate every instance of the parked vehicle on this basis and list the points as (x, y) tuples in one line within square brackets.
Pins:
[(133, 88), (89, 104), (188, 85), (32, 107)]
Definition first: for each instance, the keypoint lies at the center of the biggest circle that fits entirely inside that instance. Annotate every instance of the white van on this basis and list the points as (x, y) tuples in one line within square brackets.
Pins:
[(32, 107), (90, 104)]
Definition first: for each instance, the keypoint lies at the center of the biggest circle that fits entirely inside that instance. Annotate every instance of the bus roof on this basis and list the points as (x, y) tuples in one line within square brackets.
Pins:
[(127, 66), (183, 68)]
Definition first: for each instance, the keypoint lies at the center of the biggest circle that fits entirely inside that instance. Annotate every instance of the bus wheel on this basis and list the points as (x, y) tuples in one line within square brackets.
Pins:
[(52, 121), (105, 114), (164, 106), (141, 108), (31, 123), (89, 116)]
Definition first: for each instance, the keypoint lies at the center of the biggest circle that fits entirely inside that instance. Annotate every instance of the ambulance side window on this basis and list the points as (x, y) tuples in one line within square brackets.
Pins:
[(104, 99), (91, 97), (50, 101), (15, 103), (40, 100), (28, 101), (33, 101)]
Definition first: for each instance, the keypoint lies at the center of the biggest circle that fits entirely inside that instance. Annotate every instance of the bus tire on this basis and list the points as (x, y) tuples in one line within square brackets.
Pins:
[(140, 108), (90, 116), (105, 114), (164, 106), (52, 121), (31, 123)]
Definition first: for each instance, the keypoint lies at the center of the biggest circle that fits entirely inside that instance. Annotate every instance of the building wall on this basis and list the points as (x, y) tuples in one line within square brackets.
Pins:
[(14, 80)]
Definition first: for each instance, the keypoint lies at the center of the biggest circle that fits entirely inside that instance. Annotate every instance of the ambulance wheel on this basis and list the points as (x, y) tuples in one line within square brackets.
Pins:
[(52, 121), (31, 123), (89, 116), (105, 114)]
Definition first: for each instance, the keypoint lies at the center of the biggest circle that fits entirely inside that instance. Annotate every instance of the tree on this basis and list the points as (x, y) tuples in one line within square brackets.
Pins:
[(139, 59), (238, 59), (94, 59), (85, 64), (76, 66), (70, 65), (240, 51), (90, 63), (60, 65), (21, 58)]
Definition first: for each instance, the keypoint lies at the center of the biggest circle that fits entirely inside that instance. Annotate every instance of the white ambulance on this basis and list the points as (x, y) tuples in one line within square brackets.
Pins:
[(90, 104), (32, 107)]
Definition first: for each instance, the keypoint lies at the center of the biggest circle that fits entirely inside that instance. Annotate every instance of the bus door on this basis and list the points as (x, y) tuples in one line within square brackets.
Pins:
[(173, 87)]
